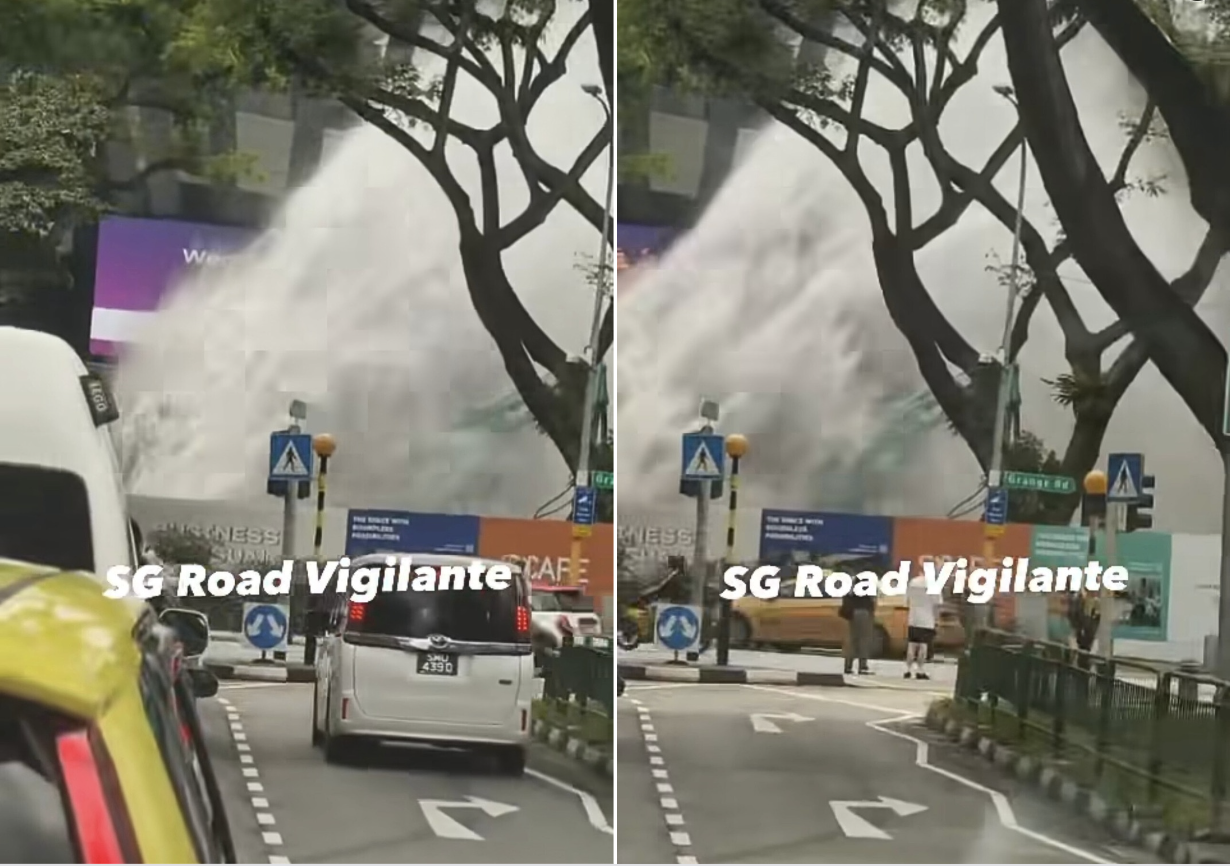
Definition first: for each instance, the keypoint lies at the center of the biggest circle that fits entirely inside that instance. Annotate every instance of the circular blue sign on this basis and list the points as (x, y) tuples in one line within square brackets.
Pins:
[(265, 626), (678, 627)]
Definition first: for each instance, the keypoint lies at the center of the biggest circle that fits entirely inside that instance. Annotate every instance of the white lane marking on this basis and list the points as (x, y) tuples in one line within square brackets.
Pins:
[(656, 687), (671, 814), (260, 805), (922, 752), (224, 701), (593, 811)]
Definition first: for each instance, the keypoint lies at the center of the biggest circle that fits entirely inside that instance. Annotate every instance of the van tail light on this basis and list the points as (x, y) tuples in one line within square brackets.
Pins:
[(524, 719), (87, 790), (356, 612), (523, 621)]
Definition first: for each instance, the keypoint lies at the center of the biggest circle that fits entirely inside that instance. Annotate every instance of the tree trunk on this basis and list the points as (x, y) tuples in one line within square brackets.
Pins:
[(1198, 122), (602, 23), (559, 417), (1181, 346), (934, 343)]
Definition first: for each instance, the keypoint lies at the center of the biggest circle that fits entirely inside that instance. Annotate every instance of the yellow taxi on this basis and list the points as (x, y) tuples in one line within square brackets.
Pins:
[(787, 622), (101, 758)]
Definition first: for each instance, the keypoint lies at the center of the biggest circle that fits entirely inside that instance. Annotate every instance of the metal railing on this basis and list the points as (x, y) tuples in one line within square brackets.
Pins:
[(1151, 737), (581, 674)]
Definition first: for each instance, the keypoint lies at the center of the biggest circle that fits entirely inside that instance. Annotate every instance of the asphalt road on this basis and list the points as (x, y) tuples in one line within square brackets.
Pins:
[(699, 783), (303, 810)]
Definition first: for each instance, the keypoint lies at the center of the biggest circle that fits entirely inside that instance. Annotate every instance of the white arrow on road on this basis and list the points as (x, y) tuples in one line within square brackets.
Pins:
[(450, 828), (857, 827), (761, 723)]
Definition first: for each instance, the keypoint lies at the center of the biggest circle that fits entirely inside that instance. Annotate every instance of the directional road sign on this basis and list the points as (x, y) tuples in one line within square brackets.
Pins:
[(855, 826), (603, 480), (583, 502), (266, 626), (290, 456), (1041, 483), (447, 827), (996, 513), (678, 627), (1124, 476), (704, 457)]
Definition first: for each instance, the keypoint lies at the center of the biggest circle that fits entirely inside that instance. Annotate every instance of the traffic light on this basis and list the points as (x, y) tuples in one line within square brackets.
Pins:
[(1140, 512)]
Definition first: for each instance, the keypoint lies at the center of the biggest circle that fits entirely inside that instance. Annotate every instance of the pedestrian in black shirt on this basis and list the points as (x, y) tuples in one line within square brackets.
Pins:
[(859, 612)]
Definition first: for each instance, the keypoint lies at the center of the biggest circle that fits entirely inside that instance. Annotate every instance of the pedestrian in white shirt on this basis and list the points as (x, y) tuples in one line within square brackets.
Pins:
[(920, 627)]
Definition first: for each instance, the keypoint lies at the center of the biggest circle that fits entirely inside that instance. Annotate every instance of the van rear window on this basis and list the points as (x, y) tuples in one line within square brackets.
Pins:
[(461, 614), (45, 517)]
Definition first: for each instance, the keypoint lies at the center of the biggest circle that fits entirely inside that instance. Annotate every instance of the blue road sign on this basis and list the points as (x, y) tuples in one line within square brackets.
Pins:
[(290, 456), (996, 513), (678, 627), (1124, 475), (584, 500), (704, 457), (266, 626)]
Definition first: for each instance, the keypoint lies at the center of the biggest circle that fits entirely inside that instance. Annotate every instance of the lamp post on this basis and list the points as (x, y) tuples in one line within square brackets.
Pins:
[(1003, 393), (582, 479), (736, 448), (1096, 484), (324, 445)]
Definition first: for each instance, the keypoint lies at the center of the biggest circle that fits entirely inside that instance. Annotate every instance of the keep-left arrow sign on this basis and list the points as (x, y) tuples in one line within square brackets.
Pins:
[(447, 827)]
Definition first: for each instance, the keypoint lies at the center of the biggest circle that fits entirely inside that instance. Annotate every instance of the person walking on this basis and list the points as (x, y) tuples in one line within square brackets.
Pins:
[(859, 612), (920, 627)]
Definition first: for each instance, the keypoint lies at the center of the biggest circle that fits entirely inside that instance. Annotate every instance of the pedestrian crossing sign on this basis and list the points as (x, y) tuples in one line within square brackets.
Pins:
[(703, 457), (1124, 477), (290, 456)]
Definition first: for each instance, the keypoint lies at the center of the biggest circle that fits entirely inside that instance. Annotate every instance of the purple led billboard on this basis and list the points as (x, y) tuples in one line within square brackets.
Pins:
[(138, 261)]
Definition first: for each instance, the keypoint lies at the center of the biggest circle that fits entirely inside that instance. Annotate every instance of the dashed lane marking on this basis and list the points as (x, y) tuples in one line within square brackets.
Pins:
[(260, 805), (681, 840)]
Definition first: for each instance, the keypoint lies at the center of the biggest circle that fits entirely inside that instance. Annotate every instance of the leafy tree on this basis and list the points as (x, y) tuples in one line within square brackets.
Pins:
[(1183, 74), (70, 73), (176, 547), (736, 46)]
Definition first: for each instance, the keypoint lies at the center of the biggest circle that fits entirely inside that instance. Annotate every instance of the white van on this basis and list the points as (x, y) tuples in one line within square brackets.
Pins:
[(451, 668), (63, 501)]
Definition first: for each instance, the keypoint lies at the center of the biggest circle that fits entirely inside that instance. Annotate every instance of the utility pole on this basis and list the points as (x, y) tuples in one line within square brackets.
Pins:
[(582, 478)]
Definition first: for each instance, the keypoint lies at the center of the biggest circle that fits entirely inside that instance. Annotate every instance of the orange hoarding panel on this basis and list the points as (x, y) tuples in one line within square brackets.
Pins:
[(543, 547), (919, 539)]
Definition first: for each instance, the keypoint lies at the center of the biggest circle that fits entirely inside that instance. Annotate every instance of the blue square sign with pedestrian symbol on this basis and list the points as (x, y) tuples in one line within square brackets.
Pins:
[(266, 627), (1125, 478), (704, 457), (290, 456), (677, 627)]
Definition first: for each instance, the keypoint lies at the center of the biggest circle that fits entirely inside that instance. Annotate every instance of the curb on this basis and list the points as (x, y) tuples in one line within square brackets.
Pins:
[(264, 673), (730, 675), (557, 738), (1135, 827)]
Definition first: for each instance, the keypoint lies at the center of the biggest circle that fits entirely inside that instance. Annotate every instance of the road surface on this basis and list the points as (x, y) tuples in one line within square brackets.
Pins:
[(759, 774), (399, 806)]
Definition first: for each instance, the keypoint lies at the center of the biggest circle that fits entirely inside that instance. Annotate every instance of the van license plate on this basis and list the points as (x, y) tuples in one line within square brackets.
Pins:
[(438, 664)]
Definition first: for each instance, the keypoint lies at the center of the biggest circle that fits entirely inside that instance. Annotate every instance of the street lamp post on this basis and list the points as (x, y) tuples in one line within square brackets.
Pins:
[(1096, 484), (736, 448), (1003, 394), (324, 445), (582, 479)]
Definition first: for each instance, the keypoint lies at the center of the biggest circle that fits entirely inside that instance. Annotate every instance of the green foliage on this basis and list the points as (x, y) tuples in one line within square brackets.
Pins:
[(51, 129), (73, 68), (1030, 454), (176, 547)]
